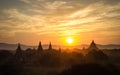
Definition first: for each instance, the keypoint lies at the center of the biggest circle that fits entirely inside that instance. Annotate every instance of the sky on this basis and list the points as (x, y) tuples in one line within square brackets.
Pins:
[(31, 21)]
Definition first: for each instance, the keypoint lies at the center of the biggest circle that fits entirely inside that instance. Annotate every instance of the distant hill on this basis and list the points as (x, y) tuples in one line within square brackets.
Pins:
[(109, 46), (6, 46)]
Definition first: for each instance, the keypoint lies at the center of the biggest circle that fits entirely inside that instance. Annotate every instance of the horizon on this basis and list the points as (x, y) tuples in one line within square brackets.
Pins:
[(62, 22), (70, 48), (60, 45)]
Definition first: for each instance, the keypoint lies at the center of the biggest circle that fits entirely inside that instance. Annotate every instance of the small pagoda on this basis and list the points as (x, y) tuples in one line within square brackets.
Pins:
[(50, 47), (18, 53)]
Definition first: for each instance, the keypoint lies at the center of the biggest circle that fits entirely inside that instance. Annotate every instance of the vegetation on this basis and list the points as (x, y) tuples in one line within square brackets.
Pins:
[(55, 62)]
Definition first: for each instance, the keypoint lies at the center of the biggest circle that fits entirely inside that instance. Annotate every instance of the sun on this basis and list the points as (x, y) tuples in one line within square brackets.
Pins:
[(69, 40)]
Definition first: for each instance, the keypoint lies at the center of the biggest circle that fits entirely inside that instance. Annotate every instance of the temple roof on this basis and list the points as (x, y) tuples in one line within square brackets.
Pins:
[(19, 47), (18, 53), (50, 46), (93, 46), (40, 47)]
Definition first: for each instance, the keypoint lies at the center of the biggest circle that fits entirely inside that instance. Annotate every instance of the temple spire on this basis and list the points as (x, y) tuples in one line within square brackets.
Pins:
[(93, 46), (40, 47), (19, 47), (50, 46), (18, 53), (18, 50)]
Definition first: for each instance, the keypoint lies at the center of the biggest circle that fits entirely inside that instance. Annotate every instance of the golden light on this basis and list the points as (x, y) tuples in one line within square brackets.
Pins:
[(69, 40)]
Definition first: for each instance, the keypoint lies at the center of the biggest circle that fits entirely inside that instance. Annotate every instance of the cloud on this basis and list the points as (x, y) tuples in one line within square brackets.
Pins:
[(88, 14), (111, 2), (63, 17)]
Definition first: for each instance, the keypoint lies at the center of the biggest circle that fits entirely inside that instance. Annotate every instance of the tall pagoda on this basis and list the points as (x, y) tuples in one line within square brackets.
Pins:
[(92, 46), (40, 47)]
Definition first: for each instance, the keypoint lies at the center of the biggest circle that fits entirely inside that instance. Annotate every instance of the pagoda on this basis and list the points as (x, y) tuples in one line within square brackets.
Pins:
[(50, 47), (39, 47), (18, 53), (92, 46)]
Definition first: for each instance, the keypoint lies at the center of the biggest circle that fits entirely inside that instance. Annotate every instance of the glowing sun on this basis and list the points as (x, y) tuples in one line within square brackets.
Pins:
[(69, 40)]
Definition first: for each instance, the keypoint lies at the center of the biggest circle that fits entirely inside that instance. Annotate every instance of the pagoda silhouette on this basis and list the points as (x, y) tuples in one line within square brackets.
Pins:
[(18, 53), (40, 47), (93, 46), (94, 54), (50, 47)]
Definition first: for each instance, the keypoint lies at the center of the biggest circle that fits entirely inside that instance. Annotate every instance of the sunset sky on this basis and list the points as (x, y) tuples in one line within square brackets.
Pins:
[(31, 21)]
